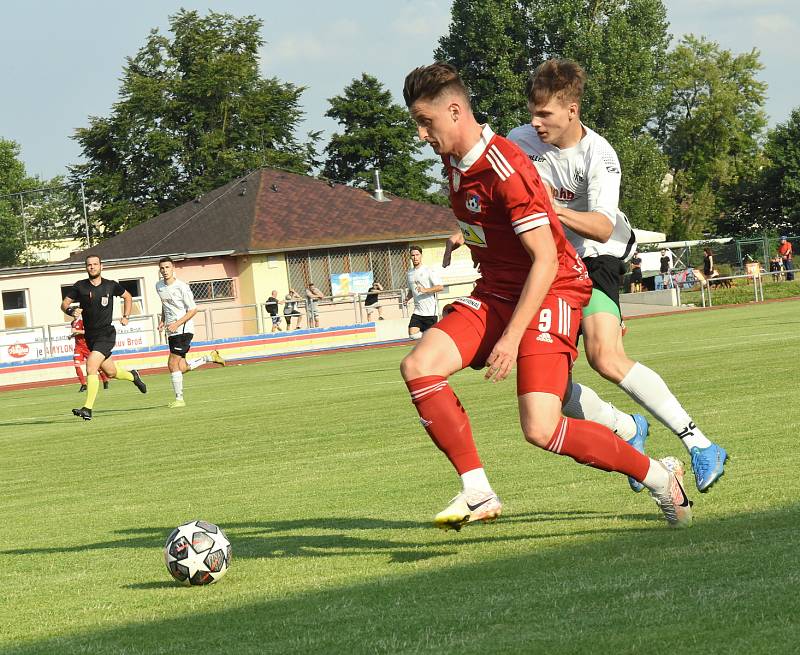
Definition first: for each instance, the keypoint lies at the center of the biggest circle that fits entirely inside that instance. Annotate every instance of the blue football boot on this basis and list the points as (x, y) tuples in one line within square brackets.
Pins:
[(708, 465), (642, 430)]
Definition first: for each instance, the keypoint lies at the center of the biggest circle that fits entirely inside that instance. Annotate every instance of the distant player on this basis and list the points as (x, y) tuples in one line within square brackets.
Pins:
[(80, 351), (524, 311), (423, 285), (584, 172), (95, 296), (177, 311)]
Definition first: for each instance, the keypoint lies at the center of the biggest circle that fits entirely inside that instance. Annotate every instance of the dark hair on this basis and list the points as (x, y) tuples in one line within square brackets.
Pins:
[(415, 247), (88, 257), (429, 82), (556, 78), (164, 260)]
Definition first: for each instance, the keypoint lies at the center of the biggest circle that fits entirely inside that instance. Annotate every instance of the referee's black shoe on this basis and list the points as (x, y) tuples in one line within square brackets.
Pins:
[(137, 380), (84, 412)]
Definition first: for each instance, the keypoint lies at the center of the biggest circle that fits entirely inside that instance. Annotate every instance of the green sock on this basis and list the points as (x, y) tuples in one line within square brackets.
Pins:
[(123, 374), (92, 385)]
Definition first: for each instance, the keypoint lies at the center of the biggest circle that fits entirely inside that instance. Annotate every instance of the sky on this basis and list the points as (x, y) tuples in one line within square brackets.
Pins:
[(60, 62)]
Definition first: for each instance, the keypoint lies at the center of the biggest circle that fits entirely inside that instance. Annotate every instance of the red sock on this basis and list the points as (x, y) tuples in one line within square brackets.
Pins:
[(595, 445), (445, 421), (79, 373), (103, 376)]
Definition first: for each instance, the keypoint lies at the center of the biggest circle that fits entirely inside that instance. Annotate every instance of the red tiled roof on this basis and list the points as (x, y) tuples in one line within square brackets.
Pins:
[(278, 211)]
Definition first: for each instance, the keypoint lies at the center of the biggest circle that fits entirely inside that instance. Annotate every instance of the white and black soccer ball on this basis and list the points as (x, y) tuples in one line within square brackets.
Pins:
[(197, 553)]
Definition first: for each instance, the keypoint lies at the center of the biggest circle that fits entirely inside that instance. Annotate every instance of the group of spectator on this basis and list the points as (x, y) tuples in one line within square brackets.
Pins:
[(291, 308)]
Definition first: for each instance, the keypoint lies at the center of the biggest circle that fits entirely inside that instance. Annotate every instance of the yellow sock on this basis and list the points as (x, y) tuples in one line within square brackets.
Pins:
[(92, 385), (123, 374)]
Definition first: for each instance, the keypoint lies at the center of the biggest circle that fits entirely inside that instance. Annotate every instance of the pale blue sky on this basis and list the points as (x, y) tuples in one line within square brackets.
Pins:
[(60, 61)]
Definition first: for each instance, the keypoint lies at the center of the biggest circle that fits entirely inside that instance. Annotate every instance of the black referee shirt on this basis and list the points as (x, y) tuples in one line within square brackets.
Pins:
[(97, 302)]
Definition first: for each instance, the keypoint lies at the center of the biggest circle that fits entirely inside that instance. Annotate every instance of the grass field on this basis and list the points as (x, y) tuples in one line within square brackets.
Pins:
[(324, 481)]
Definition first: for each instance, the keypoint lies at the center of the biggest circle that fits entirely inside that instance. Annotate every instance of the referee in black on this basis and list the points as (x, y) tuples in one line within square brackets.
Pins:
[(95, 296)]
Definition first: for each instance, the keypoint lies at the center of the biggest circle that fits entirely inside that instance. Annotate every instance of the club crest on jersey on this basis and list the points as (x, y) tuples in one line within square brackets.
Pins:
[(456, 180), (474, 203), (104, 301)]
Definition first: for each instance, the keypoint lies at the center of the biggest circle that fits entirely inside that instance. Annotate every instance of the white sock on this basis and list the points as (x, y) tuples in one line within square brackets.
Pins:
[(476, 479), (415, 335), (193, 364), (657, 478), (648, 389), (177, 383), (584, 403)]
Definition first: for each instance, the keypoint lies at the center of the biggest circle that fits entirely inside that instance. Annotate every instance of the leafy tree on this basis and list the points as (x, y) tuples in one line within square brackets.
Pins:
[(622, 44), (378, 134), (193, 113), (781, 175), (12, 180), (710, 124)]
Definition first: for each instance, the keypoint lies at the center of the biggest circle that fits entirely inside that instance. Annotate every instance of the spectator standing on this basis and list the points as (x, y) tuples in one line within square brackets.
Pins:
[(786, 252), (664, 269), (636, 273), (313, 296), (271, 305), (290, 309), (371, 301)]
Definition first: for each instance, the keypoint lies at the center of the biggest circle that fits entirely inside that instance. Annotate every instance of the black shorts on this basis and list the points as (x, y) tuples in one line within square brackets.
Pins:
[(422, 322), (636, 275), (180, 344), (102, 340), (605, 272)]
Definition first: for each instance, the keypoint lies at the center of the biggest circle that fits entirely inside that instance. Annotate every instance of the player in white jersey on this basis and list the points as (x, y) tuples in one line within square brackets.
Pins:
[(584, 173), (423, 285), (177, 313)]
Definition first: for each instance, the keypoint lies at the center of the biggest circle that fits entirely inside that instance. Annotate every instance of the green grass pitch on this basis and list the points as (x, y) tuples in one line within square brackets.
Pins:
[(324, 481)]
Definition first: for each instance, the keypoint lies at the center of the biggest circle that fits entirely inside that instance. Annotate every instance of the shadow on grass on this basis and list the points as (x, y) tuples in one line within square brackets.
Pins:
[(725, 586)]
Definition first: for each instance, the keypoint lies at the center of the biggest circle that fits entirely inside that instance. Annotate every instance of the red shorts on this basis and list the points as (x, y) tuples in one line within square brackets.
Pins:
[(80, 355), (546, 351)]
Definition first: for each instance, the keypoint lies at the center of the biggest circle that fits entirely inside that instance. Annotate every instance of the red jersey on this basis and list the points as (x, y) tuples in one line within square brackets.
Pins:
[(785, 250), (80, 339), (497, 194)]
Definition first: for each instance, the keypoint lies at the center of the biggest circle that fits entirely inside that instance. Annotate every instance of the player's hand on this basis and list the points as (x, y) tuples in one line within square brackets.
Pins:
[(501, 360), (123, 320), (454, 241), (160, 326), (172, 327)]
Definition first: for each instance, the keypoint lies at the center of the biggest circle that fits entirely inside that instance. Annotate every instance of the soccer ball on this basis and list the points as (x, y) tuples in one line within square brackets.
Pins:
[(197, 553)]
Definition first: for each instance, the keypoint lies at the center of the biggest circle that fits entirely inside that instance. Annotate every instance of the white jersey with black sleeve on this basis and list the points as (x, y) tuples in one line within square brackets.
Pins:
[(586, 178), (176, 299)]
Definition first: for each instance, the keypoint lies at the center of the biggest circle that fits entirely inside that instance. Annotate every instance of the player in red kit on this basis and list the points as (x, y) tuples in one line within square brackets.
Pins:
[(80, 351), (525, 309)]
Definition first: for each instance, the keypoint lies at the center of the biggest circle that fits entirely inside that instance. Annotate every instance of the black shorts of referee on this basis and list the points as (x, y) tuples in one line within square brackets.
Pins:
[(102, 340), (422, 322), (180, 344)]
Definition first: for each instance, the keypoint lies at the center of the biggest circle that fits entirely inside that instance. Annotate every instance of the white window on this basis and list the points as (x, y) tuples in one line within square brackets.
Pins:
[(211, 290), (133, 287), (15, 309)]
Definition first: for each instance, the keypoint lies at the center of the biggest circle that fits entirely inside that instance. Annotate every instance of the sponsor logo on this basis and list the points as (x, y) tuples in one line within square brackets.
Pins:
[(456, 180), (469, 302), (536, 158), (474, 235), (472, 508), (565, 194), (545, 337), (18, 350), (474, 203), (612, 169)]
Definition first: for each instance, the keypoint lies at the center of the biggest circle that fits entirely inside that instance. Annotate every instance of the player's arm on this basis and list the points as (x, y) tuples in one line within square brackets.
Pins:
[(183, 319), (454, 242), (127, 307), (591, 225), (539, 244), (68, 300)]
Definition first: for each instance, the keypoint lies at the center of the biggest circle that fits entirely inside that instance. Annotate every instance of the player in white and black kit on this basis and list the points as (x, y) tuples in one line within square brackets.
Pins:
[(584, 173), (423, 285), (95, 296), (177, 313)]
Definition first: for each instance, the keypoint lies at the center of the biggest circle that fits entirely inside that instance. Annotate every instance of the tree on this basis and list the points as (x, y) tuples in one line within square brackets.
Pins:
[(780, 177), (622, 44), (710, 125), (193, 113), (378, 134)]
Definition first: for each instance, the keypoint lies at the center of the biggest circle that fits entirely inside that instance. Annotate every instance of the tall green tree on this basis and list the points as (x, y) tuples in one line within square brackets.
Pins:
[(193, 113), (710, 126), (377, 134), (12, 180), (622, 44), (780, 177)]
